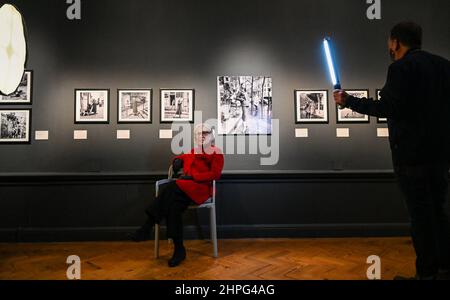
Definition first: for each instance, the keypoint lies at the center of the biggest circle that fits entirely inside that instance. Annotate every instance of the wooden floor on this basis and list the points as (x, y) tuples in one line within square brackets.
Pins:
[(252, 259)]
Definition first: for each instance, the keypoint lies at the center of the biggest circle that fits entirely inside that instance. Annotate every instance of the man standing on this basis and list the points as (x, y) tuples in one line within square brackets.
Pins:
[(419, 139)]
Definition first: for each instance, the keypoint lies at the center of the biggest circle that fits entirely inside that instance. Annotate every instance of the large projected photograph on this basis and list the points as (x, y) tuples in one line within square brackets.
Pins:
[(15, 126), (311, 106), (23, 94), (346, 115), (91, 106), (244, 105)]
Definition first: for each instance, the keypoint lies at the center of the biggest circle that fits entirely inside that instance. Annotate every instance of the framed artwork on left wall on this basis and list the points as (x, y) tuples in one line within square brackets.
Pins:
[(23, 94), (15, 126), (92, 106)]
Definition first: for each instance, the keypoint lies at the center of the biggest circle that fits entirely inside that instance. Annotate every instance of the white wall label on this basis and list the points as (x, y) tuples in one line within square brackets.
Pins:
[(123, 134), (80, 134), (301, 132), (382, 132), (374, 9), (165, 134), (41, 135), (342, 132)]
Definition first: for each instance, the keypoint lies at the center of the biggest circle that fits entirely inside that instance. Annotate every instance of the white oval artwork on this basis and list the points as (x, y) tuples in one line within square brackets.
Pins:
[(12, 49)]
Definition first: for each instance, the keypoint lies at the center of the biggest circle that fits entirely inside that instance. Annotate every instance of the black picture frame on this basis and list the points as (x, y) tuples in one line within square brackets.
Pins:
[(30, 127), (91, 121), (161, 106), (377, 97), (30, 92), (327, 121), (338, 121), (138, 121)]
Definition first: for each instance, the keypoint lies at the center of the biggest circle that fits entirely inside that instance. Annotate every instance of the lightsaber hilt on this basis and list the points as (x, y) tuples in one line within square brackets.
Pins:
[(338, 87)]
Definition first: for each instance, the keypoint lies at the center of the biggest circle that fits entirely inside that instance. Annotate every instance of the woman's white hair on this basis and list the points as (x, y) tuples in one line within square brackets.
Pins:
[(199, 128)]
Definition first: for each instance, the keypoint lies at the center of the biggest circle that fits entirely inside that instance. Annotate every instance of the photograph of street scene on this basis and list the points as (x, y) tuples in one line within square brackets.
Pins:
[(14, 126), (134, 105)]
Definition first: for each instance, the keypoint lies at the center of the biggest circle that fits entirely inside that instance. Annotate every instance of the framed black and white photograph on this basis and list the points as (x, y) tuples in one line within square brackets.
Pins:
[(91, 106), (134, 106), (244, 105), (24, 92), (347, 115), (177, 105), (311, 106), (15, 126), (380, 120)]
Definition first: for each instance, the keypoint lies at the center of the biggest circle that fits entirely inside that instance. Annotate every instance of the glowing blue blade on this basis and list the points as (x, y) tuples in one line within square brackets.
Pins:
[(330, 62)]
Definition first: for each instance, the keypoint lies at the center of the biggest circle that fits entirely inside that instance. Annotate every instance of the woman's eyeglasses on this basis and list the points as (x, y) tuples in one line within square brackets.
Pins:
[(204, 133)]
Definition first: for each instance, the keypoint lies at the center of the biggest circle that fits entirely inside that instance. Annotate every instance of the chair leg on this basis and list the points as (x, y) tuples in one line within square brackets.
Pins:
[(156, 240), (213, 227), (198, 226)]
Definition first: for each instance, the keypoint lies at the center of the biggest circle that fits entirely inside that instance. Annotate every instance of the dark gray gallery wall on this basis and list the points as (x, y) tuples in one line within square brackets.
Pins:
[(66, 189), (187, 44)]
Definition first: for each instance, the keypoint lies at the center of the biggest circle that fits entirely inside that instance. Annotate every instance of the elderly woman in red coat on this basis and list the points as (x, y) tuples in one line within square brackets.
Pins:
[(200, 167)]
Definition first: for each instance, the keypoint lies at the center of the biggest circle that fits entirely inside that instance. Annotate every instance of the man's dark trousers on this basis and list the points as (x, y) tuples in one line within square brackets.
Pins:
[(426, 189)]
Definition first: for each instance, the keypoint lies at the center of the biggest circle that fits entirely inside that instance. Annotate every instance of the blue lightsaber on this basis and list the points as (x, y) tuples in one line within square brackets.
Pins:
[(327, 46)]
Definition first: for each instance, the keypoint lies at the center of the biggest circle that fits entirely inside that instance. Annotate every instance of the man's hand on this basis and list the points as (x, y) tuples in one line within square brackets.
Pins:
[(340, 97)]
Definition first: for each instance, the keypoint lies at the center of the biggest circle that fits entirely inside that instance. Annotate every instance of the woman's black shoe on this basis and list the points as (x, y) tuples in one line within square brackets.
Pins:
[(177, 258)]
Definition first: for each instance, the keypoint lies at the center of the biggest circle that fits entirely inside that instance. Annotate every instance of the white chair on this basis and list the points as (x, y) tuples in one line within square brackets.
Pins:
[(210, 203)]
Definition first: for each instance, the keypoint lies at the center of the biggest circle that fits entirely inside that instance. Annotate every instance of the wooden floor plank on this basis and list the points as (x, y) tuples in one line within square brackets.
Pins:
[(252, 259)]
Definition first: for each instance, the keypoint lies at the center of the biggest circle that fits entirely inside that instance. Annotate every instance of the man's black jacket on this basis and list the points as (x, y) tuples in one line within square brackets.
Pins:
[(416, 101)]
